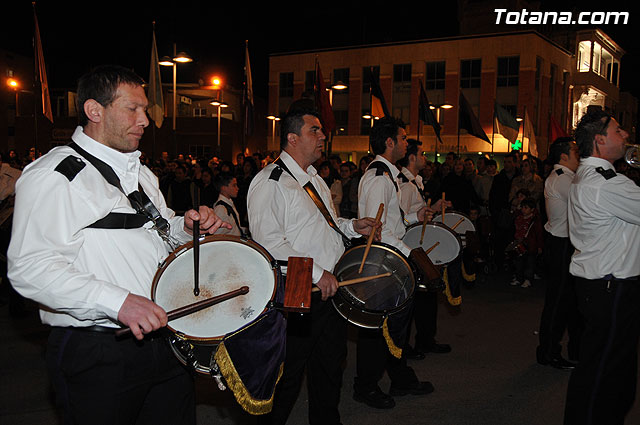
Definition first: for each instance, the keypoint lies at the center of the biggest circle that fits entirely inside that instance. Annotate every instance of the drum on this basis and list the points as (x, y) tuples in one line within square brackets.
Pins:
[(226, 263), (367, 304), (453, 217), (449, 246)]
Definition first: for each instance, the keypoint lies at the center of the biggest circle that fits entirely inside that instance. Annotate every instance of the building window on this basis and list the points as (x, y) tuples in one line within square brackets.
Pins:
[(584, 56), (366, 77), (508, 71), (199, 112), (402, 92), (286, 84), (435, 76), (340, 100), (367, 71), (470, 73)]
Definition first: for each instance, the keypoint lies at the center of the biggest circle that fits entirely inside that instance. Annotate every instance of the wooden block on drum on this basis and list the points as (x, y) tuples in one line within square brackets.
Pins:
[(297, 289)]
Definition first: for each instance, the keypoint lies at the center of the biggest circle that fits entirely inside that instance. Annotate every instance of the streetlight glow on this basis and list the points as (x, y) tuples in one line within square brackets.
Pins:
[(182, 57), (13, 83)]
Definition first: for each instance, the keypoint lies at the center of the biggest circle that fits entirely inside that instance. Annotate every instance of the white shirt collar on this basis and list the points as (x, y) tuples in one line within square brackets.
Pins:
[(223, 198), (392, 167), (596, 162), (299, 174), (120, 162)]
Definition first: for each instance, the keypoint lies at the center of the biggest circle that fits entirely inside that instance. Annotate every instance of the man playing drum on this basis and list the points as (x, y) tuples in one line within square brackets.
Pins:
[(425, 313), (285, 220), (87, 253), (379, 184)]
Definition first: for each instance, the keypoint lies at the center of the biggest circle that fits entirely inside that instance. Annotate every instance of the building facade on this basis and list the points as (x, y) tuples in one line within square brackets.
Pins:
[(528, 74)]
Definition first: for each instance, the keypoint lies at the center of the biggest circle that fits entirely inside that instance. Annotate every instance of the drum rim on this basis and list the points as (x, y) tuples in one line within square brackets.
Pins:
[(208, 239), (382, 313), (445, 227), (438, 214)]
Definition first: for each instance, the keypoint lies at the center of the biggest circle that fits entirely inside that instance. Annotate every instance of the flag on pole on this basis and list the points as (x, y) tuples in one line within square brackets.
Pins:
[(378, 104), (322, 102), (528, 131), (248, 93), (556, 130), (467, 120), (426, 114), (154, 94), (505, 123), (42, 71)]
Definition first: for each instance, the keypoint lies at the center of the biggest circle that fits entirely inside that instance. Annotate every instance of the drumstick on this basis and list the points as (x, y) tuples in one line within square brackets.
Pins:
[(370, 240), (196, 245), (443, 207), (356, 280), (424, 223), (427, 251), (457, 224), (195, 307)]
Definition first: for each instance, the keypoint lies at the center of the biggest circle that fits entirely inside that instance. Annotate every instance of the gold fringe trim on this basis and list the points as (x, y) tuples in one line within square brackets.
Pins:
[(393, 348), (447, 290), (467, 277), (251, 405)]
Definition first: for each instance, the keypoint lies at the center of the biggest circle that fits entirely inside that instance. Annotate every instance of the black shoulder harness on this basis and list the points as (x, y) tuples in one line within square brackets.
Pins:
[(70, 167), (382, 168), (607, 174)]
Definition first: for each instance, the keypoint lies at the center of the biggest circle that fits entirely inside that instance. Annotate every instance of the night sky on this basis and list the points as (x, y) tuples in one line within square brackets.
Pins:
[(79, 35)]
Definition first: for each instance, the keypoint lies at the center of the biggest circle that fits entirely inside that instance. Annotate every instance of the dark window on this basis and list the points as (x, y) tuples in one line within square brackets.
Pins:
[(508, 71), (309, 81), (434, 79), (402, 73), (470, 73), (286, 84), (366, 77)]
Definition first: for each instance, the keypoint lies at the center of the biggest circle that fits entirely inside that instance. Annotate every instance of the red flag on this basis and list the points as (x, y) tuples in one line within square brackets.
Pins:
[(42, 71), (322, 103), (556, 130)]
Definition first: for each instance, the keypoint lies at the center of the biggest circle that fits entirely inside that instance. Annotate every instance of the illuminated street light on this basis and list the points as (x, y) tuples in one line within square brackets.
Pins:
[(219, 104), (273, 119), (182, 57), (438, 108), (13, 83)]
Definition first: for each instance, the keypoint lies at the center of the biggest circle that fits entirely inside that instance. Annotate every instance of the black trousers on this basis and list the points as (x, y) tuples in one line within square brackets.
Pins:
[(101, 380), (602, 388), (560, 309), (317, 342), (425, 317)]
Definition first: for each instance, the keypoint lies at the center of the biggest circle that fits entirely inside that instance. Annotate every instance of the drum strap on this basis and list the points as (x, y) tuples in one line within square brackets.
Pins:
[(232, 213), (382, 168), (139, 200), (315, 197)]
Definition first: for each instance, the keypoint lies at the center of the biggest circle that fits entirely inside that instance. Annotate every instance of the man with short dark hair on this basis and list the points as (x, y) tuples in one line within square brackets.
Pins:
[(604, 227), (379, 184), (91, 227), (560, 310), (287, 222)]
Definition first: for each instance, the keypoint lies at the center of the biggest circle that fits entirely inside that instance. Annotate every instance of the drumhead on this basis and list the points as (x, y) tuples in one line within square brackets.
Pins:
[(447, 250), (366, 304), (452, 217), (226, 263)]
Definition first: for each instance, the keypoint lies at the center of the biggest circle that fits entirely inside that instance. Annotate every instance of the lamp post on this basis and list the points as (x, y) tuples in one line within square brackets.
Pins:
[(437, 109), (273, 119), (181, 57), (219, 104)]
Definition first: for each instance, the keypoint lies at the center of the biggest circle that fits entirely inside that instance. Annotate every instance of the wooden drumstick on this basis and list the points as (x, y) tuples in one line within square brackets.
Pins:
[(196, 257), (370, 240), (443, 207), (424, 223), (194, 307), (457, 224), (356, 280), (427, 251)]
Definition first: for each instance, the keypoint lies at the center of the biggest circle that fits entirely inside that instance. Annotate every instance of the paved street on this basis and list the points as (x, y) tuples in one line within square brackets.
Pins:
[(490, 377)]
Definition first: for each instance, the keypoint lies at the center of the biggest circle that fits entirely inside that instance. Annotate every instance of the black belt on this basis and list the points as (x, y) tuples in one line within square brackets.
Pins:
[(92, 329)]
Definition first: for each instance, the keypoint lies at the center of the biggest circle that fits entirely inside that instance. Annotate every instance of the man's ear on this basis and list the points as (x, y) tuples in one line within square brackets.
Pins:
[(390, 143), (292, 139), (93, 109)]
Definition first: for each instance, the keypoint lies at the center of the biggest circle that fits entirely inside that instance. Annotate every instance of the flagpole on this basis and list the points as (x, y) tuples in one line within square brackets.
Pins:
[(493, 133)]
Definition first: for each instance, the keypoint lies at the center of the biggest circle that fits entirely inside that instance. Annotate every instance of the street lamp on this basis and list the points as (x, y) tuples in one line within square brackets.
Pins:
[(273, 128), (437, 109), (181, 57), (219, 104)]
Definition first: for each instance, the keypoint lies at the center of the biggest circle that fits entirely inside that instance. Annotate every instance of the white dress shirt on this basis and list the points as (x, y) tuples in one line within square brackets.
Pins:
[(284, 219), (81, 276), (221, 211), (604, 222), (375, 190), (556, 195), (411, 199)]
